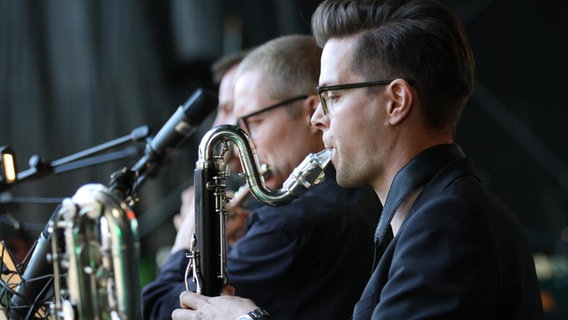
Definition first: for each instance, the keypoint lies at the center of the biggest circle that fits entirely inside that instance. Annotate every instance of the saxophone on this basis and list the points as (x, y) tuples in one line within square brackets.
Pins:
[(102, 252), (86, 267), (207, 259)]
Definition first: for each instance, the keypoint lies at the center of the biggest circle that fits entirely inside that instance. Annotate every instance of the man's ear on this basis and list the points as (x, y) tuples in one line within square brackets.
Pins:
[(401, 101)]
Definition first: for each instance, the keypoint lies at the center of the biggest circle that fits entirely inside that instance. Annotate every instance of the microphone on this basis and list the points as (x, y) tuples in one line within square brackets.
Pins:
[(177, 129), (38, 275)]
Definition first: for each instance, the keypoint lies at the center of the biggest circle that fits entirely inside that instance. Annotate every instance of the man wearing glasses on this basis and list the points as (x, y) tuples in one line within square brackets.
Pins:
[(395, 76)]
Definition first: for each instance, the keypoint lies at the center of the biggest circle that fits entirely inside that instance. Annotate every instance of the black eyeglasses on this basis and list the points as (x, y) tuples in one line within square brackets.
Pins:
[(243, 120), (323, 89)]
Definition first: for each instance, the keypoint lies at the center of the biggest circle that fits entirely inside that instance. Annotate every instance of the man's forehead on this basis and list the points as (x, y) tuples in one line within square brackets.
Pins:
[(250, 92), (228, 80), (244, 80), (335, 60)]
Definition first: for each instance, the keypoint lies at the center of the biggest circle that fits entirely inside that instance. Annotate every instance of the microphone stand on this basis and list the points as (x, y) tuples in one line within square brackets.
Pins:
[(39, 167)]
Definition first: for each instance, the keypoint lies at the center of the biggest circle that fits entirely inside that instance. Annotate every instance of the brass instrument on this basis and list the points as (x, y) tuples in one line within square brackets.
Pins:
[(89, 258), (208, 255), (101, 257)]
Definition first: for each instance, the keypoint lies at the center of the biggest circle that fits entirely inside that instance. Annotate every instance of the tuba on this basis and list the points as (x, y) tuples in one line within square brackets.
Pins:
[(206, 271)]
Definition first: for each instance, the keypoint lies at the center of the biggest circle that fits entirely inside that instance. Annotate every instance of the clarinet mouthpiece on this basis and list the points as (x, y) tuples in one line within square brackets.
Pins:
[(311, 171)]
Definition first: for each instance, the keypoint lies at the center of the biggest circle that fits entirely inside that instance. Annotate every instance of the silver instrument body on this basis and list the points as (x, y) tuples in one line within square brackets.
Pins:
[(96, 270), (208, 255)]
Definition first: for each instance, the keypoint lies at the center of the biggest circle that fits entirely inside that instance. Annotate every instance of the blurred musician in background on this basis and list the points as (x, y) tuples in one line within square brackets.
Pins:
[(154, 302), (223, 71)]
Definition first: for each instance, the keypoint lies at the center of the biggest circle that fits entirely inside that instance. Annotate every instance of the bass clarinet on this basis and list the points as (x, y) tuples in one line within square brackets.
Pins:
[(207, 263)]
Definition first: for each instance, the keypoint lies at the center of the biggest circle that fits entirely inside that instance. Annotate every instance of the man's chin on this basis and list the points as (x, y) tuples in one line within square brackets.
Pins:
[(347, 181)]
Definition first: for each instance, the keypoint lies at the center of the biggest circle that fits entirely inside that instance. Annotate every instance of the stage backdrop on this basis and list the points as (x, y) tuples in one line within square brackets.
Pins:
[(76, 74)]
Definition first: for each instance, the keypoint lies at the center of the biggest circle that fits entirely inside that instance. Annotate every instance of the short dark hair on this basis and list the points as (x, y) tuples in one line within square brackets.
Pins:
[(421, 40), (225, 63)]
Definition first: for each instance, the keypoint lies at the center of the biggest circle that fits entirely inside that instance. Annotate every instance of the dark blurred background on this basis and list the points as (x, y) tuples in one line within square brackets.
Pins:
[(76, 74)]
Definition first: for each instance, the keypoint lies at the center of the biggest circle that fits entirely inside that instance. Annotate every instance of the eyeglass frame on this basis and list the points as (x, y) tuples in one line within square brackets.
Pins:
[(243, 119), (354, 85)]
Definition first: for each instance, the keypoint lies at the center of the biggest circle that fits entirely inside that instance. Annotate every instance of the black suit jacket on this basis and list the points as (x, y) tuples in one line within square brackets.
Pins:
[(460, 254)]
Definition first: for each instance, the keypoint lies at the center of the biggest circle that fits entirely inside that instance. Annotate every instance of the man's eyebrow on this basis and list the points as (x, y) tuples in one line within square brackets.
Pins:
[(330, 82)]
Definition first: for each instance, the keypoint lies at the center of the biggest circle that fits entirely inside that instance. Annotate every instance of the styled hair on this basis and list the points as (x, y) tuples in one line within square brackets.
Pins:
[(291, 64), (226, 63), (421, 40)]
